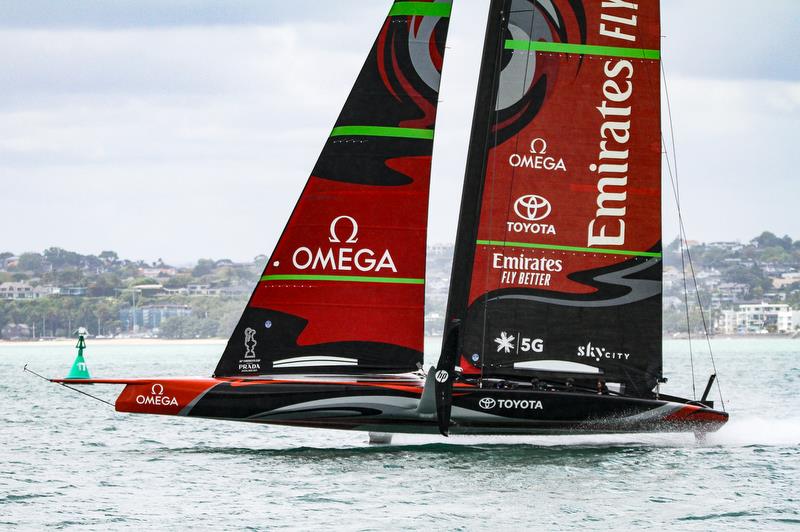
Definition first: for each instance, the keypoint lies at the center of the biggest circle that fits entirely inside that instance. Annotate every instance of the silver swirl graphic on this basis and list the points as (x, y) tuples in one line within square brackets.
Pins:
[(526, 23), (640, 289)]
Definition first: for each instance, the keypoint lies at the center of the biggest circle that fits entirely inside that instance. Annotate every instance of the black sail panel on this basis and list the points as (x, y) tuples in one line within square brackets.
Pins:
[(558, 258)]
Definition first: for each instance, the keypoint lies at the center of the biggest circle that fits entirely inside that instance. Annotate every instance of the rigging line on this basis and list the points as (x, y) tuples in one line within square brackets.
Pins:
[(705, 327), (681, 240), (683, 231), (67, 386)]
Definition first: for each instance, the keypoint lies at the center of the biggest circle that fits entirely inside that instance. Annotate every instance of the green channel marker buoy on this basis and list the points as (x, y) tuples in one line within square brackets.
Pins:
[(79, 368)]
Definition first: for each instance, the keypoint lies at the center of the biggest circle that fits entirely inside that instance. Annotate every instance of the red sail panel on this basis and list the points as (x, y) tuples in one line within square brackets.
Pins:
[(344, 287), (567, 251)]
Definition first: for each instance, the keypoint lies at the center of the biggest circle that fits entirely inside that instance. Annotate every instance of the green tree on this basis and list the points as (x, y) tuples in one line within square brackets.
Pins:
[(61, 258), (31, 262), (105, 285), (203, 267), (179, 281), (767, 240)]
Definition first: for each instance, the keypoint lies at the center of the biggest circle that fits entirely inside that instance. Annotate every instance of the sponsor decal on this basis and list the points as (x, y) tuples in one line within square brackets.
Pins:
[(442, 376), (250, 364), (600, 353), (268, 324), (523, 269), (621, 27), (345, 256), (488, 403), (505, 343), (156, 397), (537, 158), (532, 209), (250, 343), (608, 226), (518, 344)]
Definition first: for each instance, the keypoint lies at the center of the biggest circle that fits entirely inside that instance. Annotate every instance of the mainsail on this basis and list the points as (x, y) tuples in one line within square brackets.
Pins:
[(558, 254), (344, 287)]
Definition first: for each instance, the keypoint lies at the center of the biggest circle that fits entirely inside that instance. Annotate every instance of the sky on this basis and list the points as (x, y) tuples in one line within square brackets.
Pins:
[(181, 129)]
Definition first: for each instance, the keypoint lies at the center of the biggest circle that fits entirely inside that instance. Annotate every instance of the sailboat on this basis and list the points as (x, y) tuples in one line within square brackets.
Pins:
[(554, 314)]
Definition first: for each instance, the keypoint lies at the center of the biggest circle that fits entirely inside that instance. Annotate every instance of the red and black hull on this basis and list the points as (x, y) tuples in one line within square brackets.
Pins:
[(399, 404)]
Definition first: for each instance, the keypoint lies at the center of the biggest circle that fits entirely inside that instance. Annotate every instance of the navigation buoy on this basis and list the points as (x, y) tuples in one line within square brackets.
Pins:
[(79, 368)]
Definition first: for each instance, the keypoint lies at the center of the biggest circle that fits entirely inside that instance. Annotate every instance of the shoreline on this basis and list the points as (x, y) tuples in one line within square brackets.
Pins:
[(70, 342)]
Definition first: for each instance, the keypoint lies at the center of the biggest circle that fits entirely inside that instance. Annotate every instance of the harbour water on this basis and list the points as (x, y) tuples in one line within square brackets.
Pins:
[(67, 461)]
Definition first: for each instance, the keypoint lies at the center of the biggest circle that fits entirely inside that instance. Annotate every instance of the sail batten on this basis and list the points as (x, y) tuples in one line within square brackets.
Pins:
[(382, 131), (599, 251), (421, 9), (582, 49)]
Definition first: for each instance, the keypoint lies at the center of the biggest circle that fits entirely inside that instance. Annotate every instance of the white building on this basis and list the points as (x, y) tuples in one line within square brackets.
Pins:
[(761, 318), (17, 291)]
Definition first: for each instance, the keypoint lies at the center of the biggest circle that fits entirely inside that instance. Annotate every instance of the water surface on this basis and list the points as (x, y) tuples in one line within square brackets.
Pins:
[(67, 461)]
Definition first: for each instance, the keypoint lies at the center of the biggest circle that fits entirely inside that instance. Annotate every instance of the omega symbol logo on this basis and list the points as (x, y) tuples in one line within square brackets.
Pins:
[(532, 208), (487, 403), (354, 232), (442, 376), (156, 397), (539, 146)]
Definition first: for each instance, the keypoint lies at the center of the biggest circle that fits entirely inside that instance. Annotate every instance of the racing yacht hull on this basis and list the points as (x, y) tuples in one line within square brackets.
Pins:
[(405, 404)]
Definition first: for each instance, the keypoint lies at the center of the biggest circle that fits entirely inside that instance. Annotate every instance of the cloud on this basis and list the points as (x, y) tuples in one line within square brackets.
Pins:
[(188, 128), (720, 39), (102, 14), (735, 164)]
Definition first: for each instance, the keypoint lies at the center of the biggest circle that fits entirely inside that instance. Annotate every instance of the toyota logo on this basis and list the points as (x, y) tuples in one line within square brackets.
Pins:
[(487, 403), (532, 208)]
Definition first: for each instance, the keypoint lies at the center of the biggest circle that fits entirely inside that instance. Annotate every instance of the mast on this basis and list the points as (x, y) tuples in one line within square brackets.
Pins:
[(469, 215), (477, 157)]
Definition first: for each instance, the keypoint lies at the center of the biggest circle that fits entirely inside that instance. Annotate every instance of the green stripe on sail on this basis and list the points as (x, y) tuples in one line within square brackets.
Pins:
[(382, 131), (599, 251), (583, 49), (427, 9), (343, 279)]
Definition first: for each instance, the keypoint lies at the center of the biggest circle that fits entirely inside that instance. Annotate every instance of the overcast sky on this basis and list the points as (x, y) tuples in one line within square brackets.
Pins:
[(186, 128)]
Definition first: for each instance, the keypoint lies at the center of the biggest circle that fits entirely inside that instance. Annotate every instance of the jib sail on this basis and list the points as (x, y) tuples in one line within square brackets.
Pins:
[(558, 256), (344, 287)]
